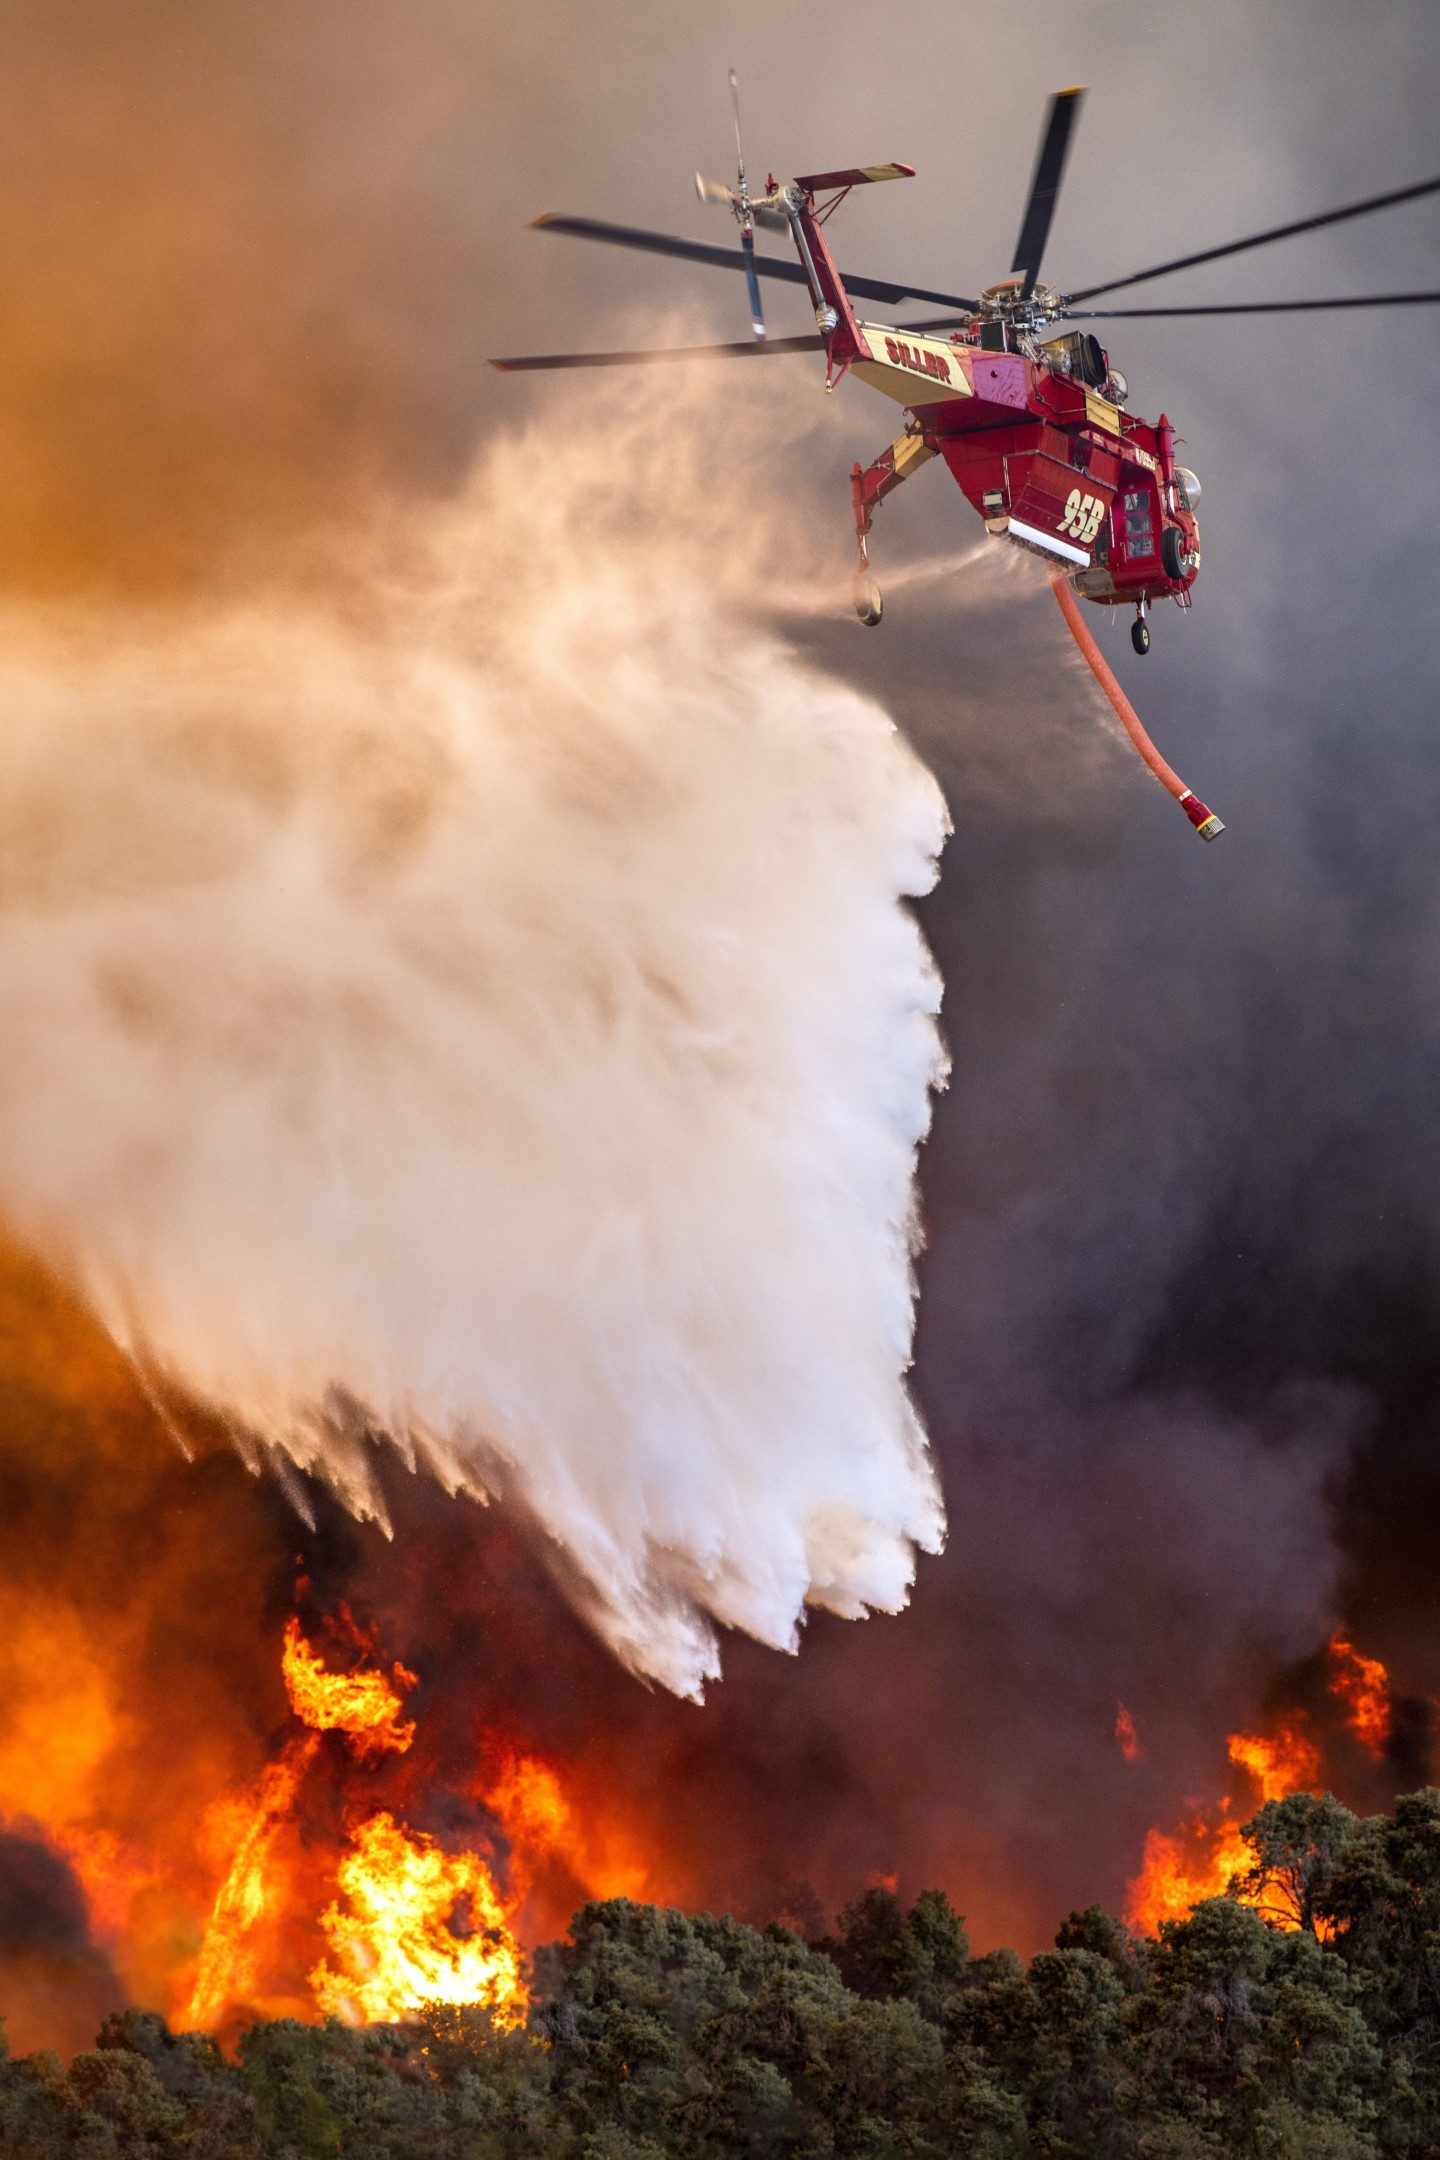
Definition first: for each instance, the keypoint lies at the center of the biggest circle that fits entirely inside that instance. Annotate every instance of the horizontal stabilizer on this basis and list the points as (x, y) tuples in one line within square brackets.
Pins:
[(857, 176)]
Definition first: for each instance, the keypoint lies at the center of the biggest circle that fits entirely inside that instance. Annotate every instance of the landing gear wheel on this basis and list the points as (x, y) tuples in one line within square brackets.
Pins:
[(1172, 552), (866, 594), (1140, 634)]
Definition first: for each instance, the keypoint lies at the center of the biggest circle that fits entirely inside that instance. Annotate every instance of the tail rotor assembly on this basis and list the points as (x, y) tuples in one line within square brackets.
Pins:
[(748, 212)]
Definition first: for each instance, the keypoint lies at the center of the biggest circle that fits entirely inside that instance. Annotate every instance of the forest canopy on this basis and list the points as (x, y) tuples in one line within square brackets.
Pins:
[(1295, 2018)]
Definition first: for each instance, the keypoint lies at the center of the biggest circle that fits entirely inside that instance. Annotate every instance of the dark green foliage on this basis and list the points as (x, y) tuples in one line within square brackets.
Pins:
[(883, 1951), (1299, 1845), (668, 2036)]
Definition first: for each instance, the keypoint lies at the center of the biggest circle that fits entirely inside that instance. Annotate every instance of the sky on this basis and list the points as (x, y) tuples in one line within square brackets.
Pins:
[(1179, 1296)]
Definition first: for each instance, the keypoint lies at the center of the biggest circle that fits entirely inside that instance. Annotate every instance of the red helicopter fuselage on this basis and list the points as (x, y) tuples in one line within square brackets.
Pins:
[(1031, 423), (1042, 453)]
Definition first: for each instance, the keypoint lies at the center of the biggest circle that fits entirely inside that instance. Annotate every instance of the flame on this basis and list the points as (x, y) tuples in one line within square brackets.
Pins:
[(1279, 1763), (411, 1924), (364, 1705), (309, 1891), (1362, 1685), (527, 1796), (1180, 1867), (424, 1926), (1126, 1737), (1202, 1858), (543, 1829), (252, 1891), (133, 1740)]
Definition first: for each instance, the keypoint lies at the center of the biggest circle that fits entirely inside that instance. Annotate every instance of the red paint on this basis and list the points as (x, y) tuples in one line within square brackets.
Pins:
[(1202, 818), (1027, 441)]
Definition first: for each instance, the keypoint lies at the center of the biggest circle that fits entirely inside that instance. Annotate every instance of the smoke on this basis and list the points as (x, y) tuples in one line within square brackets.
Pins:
[(58, 1984), (475, 1003)]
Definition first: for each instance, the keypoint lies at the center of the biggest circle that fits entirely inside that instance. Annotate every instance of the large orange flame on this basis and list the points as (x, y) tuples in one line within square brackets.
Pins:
[(252, 1891), (1280, 1762), (1180, 1867), (1362, 1685), (412, 1924), (364, 1705), (422, 1926), (135, 1708), (1202, 1858)]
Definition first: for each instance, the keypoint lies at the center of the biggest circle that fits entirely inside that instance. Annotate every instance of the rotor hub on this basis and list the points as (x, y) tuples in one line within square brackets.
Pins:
[(1004, 302)]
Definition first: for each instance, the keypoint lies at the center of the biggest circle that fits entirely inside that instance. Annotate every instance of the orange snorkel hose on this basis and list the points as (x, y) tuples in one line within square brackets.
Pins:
[(1205, 821)]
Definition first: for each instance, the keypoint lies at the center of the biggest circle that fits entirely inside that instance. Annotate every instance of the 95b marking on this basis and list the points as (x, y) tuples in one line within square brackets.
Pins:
[(1082, 516)]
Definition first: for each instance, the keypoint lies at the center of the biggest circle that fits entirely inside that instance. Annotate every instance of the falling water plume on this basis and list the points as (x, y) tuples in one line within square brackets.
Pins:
[(473, 1002)]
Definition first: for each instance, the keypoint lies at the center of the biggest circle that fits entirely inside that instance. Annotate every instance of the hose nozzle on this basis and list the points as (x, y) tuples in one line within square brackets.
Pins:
[(1204, 821), (1200, 815)]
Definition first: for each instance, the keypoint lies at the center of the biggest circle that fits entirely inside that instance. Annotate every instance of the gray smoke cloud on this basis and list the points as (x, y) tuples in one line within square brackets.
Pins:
[(479, 1007)]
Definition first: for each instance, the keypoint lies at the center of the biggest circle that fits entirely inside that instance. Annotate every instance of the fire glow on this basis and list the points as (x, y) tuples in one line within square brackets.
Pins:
[(1206, 1855), (1362, 1685), (417, 1926), (243, 1816), (412, 1925)]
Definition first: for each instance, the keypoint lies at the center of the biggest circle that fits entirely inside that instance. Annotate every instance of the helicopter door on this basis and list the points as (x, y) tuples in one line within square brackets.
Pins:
[(1055, 508)]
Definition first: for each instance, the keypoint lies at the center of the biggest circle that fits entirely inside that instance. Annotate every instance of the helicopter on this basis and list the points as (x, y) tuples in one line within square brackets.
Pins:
[(1031, 418)]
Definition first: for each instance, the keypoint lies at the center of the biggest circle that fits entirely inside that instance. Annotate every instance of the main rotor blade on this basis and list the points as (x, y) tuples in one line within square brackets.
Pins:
[(1263, 239), (1257, 307), (719, 258), (745, 349), (1045, 185)]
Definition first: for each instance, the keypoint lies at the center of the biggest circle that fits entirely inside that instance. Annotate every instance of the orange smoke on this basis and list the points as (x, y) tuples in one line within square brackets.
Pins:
[(1204, 1855), (1127, 1739), (1362, 1686), (135, 1581)]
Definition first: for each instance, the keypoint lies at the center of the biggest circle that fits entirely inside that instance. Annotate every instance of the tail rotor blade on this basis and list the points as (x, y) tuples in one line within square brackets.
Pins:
[(761, 213), (739, 147), (714, 191), (1045, 186), (752, 282)]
